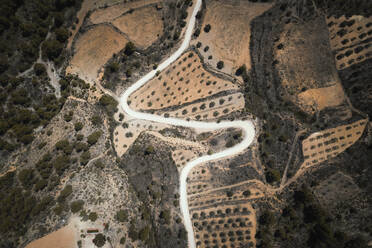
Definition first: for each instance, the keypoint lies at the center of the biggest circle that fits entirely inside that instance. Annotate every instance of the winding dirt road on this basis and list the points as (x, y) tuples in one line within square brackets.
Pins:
[(246, 126)]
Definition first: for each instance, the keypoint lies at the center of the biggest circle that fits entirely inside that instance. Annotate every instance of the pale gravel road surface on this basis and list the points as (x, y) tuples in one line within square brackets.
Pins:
[(246, 126)]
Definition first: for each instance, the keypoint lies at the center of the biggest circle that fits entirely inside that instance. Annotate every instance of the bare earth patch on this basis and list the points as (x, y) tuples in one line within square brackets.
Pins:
[(143, 26), (93, 49), (62, 238), (229, 37), (322, 98)]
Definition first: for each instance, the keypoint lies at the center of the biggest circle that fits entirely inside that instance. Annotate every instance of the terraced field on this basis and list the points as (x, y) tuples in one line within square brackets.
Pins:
[(178, 91), (351, 39), (328, 143)]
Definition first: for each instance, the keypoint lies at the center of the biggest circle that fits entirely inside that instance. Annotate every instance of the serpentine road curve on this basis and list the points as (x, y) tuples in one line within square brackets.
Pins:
[(246, 126)]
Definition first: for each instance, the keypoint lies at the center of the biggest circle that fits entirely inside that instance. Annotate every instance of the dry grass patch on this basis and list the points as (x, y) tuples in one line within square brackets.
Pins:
[(143, 26), (349, 38), (93, 49), (229, 36), (182, 82), (323, 145)]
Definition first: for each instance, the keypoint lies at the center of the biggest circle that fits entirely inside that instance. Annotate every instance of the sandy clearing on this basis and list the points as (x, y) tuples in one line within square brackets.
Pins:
[(62, 238), (183, 81), (230, 33), (110, 13), (322, 98), (143, 26), (93, 49)]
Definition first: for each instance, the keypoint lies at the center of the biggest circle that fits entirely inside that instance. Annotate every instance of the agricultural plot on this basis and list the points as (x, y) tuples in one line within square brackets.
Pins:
[(306, 67), (209, 109), (229, 36), (351, 39), (323, 145), (182, 156), (93, 49), (336, 189), (225, 226), (183, 82)]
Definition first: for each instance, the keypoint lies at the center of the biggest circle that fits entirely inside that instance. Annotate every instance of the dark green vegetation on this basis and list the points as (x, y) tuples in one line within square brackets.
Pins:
[(307, 218), (304, 223), (153, 175)]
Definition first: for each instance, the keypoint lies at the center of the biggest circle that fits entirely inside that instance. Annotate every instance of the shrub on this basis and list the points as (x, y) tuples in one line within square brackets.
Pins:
[(39, 69), (144, 233), (52, 49), (78, 126), (93, 138), (76, 206), (129, 49), (65, 193), (272, 175), (84, 158), (93, 216), (26, 177), (61, 34), (96, 120), (207, 28), (99, 240), (220, 65), (122, 240), (122, 216)]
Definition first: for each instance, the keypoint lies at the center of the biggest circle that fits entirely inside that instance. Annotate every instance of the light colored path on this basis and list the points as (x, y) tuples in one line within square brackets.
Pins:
[(246, 126)]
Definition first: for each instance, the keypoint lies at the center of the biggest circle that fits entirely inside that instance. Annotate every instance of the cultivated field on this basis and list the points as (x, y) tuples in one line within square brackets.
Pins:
[(229, 37), (185, 81), (225, 226), (321, 146), (93, 49), (350, 38)]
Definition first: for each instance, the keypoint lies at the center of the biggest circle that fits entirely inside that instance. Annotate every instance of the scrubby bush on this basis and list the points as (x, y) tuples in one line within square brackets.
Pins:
[(99, 240), (207, 28), (93, 138), (52, 49), (122, 216), (76, 206), (93, 216), (220, 65), (64, 193), (78, 126), (39, 69), (84, 158), (129, 49)]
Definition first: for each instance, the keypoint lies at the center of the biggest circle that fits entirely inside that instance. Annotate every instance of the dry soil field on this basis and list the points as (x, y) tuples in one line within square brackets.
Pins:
[(229, 37), (62, 238), (93, 49)]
